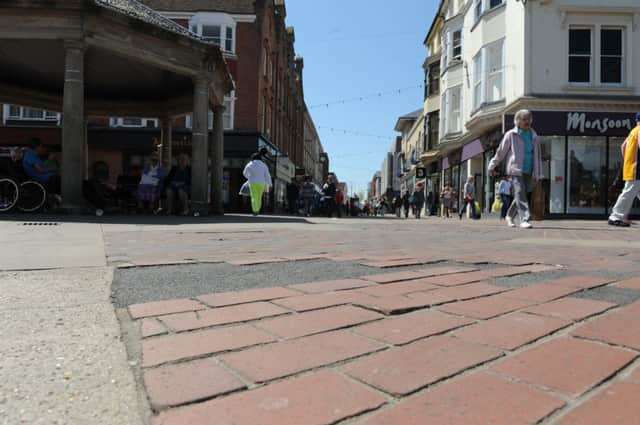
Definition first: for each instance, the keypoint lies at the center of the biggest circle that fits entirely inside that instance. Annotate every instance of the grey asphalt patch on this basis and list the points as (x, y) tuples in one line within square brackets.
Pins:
[(137, 285), (611, 294), (528, 279), (145, 284)]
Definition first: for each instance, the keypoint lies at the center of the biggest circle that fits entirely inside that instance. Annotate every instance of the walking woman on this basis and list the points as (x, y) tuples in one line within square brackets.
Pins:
[(259, 178), (446, 196), (520, 148)]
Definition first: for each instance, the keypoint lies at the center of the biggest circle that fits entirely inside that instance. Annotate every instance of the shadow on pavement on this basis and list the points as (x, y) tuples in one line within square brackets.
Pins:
[(151, 219)]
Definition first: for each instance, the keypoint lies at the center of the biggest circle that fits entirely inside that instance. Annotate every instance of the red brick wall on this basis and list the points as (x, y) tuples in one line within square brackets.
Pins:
[(248, 72)]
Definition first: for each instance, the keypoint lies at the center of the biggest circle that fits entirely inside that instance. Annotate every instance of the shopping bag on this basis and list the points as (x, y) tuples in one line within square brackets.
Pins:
[(244, 190), (476, 206), (497, 206), (538, 202)]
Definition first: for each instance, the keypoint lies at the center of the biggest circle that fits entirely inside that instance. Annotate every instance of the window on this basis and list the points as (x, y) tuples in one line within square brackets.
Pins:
[(482, 6), (217, 28), (433, 80), (477, 80), (227, 116), (478, 8), (495, 72), (611, 56), (580, 55), (494, 3), (134, 122), (14, 112), (452, 106), (457, 45), (488, 81), (445, 50)]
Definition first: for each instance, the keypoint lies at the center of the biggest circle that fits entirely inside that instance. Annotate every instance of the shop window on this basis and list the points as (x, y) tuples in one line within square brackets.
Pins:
[(553, 166), (611, 56), (23, 113), (586, 180), (133, 122), (580, 55)]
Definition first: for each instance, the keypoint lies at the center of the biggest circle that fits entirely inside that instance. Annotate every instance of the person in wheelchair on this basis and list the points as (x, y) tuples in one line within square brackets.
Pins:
[(178, 184), (37, 169)]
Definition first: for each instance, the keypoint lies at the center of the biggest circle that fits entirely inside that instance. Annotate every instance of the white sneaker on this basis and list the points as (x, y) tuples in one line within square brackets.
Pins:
[(525, 225), (510, 222), (99, 212)]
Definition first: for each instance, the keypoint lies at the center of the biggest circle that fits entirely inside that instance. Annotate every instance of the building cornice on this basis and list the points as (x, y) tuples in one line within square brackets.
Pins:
[(188, 15)]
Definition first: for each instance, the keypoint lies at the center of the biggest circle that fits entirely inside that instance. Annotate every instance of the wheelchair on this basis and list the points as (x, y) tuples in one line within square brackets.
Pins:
[(17, 191)]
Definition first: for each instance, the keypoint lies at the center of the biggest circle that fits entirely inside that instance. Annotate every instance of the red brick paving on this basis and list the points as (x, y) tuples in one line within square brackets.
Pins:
[(316, 301), (158, 308), (407, 328), (221, 316), (322, 398), (393, 263), (242, 297), (150, 326), (567, 365), (398, 288), (466, 292), (618, 404), (170, 348), (477, 399), (297, 325), (541, 293), (411, 367), (417, 274), (629, 284), (574, 309), (330, 285), (512, 331), (614, 327), (635, 374), (486, 308), (264, 363), (183, 383), (477, 276)]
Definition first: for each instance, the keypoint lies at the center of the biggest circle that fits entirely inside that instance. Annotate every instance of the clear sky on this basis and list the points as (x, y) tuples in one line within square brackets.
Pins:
[(353, 49)]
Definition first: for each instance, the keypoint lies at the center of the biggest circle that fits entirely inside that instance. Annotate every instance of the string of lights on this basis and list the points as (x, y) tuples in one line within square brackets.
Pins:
[(355, 133), (366, 97)]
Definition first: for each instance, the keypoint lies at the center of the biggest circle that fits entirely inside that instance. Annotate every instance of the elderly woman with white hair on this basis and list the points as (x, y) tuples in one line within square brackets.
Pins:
[(520, 149)]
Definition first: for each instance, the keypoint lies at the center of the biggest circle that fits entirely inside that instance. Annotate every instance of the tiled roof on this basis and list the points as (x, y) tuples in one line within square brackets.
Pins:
[(137, 10), (243, 7)]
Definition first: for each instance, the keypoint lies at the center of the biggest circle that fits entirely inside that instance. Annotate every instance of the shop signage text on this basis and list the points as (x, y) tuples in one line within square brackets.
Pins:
[(578, 121)]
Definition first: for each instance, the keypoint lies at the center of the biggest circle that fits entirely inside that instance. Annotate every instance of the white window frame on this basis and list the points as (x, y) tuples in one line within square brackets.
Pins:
[(484, 7), (48, 116), (222, 20), (144, 122), (478, 79), (623, 52), (493, 73), (449, 117), (592, 62), (229, 112), (455, 57)]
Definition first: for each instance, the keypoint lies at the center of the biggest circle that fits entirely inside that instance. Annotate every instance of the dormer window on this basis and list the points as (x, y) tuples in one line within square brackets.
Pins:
[(218, 28)]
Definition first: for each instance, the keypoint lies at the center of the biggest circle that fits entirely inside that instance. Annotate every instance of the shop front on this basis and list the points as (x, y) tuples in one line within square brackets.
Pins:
[(581, 159)]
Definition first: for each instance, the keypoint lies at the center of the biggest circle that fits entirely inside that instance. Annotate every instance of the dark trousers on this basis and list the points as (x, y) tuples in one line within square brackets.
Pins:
[(466, 202), (293, 205), (506, 203), (54, 185), (331, 207), (96, 194)]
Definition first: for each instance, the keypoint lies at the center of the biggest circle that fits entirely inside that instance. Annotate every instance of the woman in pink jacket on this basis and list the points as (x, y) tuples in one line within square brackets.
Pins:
[(520, 148)]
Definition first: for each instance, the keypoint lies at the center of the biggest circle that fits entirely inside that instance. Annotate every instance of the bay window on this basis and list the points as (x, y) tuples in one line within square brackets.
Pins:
[(452, 107), (456, 53), (482, 6), (488, 81), (217, 28)]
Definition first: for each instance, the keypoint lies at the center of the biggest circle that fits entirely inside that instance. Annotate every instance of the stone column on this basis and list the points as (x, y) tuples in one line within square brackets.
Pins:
[(216, 154), (167, 134), (73, 127), (199, 146)]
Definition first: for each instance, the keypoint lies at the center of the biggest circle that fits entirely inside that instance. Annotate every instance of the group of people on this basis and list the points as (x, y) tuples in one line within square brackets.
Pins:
[(303, 196), (410, 202)]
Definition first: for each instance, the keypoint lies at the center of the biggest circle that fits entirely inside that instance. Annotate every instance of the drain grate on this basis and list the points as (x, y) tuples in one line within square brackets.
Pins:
[(40, 223)]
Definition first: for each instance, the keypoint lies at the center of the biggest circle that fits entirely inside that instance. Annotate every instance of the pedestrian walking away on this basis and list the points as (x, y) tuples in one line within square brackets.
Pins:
[(418, 201), (406, 204), (631, 177), (504, 191), (446, 196), (308, 193), (257, 174), (469, 198), (520, 149), (329, 190)]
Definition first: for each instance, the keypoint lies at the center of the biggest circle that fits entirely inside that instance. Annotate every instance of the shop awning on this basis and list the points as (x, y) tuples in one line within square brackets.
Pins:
[(471, 149), (429, 157)]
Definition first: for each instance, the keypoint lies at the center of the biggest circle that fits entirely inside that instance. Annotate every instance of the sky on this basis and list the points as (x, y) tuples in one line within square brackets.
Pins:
[(356, 49)]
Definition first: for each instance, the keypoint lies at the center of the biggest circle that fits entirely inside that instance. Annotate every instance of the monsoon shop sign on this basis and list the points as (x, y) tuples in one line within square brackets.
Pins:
[(556, 123)]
